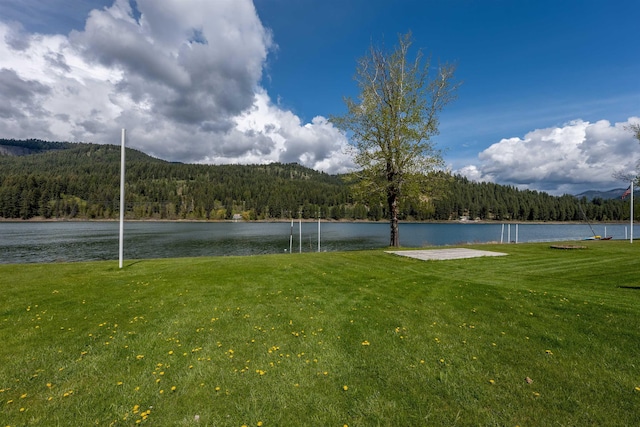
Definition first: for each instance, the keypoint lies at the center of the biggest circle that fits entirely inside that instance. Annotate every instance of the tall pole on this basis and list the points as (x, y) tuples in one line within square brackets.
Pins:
[(291, 237), (631, 235), (318, 231), (122, 197), (300, 230)]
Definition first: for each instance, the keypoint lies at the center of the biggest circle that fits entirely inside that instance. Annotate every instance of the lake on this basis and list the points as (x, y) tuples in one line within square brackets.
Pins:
[(30, 242)]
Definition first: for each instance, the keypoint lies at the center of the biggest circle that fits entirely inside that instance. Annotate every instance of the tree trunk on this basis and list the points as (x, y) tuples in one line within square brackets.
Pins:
[(393, 219)]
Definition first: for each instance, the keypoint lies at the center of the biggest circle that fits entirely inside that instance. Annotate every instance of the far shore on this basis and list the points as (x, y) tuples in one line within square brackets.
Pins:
[(277, 220)]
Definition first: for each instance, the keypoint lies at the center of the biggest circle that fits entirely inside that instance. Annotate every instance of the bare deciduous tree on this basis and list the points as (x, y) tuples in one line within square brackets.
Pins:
[(626, 175), (393, 121)]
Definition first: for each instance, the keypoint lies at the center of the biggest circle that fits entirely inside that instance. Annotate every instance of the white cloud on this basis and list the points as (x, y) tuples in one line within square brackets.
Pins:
[(281, 137), (575, 157), (183, 76)]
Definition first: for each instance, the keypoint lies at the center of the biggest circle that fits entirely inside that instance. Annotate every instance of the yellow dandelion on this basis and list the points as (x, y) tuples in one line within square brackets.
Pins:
[(259, 424), (492, 382), (549, 352), (345, 388), (173, 388), (365, 342)]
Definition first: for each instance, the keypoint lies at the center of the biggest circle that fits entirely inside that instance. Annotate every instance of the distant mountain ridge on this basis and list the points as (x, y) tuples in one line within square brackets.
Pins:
[(616, 193), (17, 148), (64, 180)]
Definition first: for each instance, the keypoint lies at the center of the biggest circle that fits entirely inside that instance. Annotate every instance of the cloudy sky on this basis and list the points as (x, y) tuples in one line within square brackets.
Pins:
[(548, 86)]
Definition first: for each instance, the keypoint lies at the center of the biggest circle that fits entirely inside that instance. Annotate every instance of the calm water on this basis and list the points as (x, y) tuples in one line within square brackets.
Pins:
[(28, 242)]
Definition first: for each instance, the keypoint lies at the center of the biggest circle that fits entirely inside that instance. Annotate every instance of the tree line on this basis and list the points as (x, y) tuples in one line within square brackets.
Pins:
[(489, 201), (82, 181)]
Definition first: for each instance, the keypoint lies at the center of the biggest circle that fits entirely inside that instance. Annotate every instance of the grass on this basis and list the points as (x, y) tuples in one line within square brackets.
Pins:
[(539, 337)]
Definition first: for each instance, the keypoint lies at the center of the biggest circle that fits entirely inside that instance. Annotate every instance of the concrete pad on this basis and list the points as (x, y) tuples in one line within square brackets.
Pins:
[(445, 254)]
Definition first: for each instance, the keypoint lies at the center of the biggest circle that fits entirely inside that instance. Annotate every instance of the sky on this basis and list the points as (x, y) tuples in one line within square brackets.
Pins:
[(547, 89)]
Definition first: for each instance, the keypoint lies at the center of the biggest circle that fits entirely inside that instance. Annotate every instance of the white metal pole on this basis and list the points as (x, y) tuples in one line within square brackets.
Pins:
[(318, 231), (300, 230), (516, 233), (631, 226), (508, 233), (502, 234), (122, 197), (291, 238)]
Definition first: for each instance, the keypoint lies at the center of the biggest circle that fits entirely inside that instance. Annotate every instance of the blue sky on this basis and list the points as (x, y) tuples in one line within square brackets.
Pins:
[(547, 86), (523, 64)]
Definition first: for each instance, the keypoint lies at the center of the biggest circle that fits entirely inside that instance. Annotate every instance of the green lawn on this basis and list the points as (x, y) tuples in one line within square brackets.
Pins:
[(539, 337)]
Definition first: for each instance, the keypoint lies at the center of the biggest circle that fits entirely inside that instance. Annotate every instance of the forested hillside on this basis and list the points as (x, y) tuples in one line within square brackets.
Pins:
[(498, 202), (40, 179)]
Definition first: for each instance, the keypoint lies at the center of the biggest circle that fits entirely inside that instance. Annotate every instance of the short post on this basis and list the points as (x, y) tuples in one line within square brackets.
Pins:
[(291, 237), (300, 230)]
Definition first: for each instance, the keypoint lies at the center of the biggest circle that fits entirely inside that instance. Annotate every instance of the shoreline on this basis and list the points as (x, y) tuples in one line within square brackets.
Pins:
[(295, 220)]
